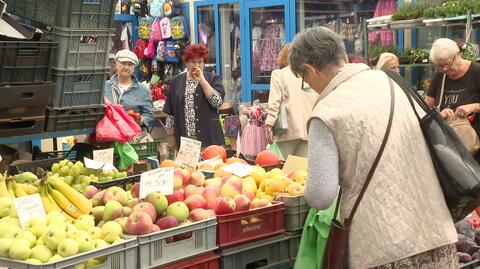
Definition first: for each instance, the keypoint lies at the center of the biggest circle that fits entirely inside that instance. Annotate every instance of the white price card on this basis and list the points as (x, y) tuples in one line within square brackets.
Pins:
[(28, 207), (103, 155), (189, 152), (211, 162), (238, 169), (158, 180), (89, 163)]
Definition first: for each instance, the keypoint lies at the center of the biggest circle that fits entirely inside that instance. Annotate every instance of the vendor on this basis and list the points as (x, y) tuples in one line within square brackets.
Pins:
[(124, 89), (462, 83)]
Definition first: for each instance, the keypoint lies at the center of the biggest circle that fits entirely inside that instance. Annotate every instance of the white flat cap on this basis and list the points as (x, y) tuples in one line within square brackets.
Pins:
[(126, 55)]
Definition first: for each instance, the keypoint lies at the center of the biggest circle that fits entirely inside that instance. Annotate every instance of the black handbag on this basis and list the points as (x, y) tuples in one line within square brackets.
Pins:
[(457, 170)]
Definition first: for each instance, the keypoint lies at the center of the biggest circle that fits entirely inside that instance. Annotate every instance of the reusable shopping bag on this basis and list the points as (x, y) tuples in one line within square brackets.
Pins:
[(274, 147), (116, 125), (127, 155)]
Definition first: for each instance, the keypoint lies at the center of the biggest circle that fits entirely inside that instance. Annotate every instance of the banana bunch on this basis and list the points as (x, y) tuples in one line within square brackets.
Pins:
[(12, 189)]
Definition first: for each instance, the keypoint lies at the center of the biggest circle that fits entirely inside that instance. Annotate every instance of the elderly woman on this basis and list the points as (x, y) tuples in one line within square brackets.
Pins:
[(124, 89), (193, 102), (298, 105), (388, 60), (462, 86), (390, 229)]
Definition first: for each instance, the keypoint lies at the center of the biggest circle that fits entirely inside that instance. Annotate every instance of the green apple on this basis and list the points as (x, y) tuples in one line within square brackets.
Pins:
[(33, 261), (81, 265), (11, 221), (20, 249), (92, 263), (37, 226), (41, 253), (6, 203), (85, 222), (95, 233), (118, 241), (55, 258), (99, 243), (5, 244), (40, 242), (85, 243), (13, 212), (67, 247), (29, 236), (158, 200), (10, 232), (71, 231), (57, 218), (179, 210), (111, 231), (53, 236)]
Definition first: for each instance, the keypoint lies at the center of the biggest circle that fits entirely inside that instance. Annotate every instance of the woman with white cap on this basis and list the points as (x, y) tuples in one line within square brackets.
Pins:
[(124, 89)]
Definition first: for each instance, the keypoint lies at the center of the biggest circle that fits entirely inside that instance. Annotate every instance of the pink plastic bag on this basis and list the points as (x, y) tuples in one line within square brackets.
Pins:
[(116, 125)]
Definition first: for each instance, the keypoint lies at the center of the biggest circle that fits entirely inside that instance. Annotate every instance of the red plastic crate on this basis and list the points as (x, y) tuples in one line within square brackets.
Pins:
[(206, 261), (241, 227)]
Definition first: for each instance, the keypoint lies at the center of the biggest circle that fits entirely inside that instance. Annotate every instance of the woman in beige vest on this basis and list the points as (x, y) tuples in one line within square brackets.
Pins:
[(402, 221)]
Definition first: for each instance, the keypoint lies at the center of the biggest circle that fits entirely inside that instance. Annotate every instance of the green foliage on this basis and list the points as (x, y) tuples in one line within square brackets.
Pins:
[(417, 55), (409, 10)]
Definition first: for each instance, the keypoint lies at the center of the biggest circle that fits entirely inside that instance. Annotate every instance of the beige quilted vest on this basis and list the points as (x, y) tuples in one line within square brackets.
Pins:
[(403, 212)]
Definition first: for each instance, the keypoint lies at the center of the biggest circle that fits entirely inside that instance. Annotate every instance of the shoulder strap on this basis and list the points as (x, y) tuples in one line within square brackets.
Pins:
[(442, 90), (348, 221)]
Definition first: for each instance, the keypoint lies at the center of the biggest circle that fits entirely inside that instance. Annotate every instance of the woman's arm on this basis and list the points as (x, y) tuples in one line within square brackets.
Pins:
[(213, 92), (322, 184), (274, 98)]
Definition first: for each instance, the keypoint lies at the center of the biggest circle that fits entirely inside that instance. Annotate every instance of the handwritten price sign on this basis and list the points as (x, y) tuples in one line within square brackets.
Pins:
[(28, 207), (103, 155), (158, 180), (189, 152)]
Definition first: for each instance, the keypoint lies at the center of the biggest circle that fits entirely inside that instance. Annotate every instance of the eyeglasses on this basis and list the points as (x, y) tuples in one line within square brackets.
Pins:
[(446, 67)]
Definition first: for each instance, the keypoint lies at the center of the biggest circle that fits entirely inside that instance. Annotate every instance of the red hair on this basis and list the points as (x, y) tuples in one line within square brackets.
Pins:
[(195, 51)]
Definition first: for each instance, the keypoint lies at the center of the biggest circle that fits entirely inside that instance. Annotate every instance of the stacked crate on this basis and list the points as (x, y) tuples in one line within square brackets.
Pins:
[(83, 30)]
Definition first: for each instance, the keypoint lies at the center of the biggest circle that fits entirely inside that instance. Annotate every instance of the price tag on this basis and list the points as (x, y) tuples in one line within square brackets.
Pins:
[(103, 155), (28, 207), (189, 152), (106, 167), (158, 180), (238, 169), (212, 162)]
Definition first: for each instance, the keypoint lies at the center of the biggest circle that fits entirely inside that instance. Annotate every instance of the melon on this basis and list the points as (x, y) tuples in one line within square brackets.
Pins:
[(214, 151), (267, 158)]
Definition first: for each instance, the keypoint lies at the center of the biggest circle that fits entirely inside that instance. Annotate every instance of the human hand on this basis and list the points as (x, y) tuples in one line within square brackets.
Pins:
[(465, 110), (197, 74), (447, 112), (269, 134)]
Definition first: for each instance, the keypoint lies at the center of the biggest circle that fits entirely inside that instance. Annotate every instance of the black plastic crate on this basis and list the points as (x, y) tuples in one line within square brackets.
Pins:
[(24, 62), (471, 265), (78, 88), (24, 126), (21, 101), (78, 14), (118, 182), (73, 118)]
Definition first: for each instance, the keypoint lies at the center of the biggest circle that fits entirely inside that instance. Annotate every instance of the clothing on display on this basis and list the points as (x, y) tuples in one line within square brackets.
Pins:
[(384, 7), (273, 39)]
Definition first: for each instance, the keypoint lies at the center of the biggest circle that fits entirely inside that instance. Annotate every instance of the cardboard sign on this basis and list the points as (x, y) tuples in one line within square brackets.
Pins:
[(103, 156), (212, 162), (189, 152), (98, 165), (238, 169), (295, 163), (28, 207), (158, 180)]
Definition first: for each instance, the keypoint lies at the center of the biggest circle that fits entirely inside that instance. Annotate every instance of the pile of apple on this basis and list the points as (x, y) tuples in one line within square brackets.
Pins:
[(50, 239)]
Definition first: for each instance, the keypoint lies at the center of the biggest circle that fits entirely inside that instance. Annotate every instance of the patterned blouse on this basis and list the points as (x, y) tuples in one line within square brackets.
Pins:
[(215, 100)]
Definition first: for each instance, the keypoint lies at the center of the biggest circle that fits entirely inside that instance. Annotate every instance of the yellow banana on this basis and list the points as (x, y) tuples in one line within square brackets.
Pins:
[(19, 192), (65, 204), (76, 198), (50, 198), (3, 188), (46, 203), (29, 189), (10, 188)]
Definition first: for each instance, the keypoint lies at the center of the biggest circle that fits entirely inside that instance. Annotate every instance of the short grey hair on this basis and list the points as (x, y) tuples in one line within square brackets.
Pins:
[(443, 49), (319, 47)]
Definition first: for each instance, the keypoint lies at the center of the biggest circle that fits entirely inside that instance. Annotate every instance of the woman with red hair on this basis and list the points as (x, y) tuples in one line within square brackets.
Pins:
[(193, 101)]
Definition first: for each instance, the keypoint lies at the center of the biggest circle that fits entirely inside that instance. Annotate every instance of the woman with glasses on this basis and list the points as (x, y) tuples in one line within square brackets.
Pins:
[(299, 105), (460, 77)]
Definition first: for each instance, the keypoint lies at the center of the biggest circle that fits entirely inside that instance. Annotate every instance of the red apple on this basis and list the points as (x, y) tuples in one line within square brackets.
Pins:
[(97, 199), (147, 208), (167, 222), (139, 223), (211, 212), (90, 191), (177, 179), (197, 178), (115, 194), (135, 190), (257, 203), (196, 201), (192, 189), (155, 228), (132, 202), (186, 176), (176, 196), (250, 195), (198, 214), (210, 193), (242, 203), (231, 188), (224, 205)]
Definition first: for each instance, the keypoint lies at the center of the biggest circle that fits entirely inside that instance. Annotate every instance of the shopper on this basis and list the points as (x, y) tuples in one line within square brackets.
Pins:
[(124, 89), (393, 226), (389, 61), (299, 105), (193, 101), (462, 86)]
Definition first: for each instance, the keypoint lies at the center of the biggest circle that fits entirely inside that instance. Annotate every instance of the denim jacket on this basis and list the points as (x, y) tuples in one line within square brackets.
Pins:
[(137, 97)]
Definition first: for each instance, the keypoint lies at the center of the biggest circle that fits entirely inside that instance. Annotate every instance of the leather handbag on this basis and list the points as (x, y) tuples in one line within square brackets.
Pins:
[(336, 249), (457, 170), (281, 125)]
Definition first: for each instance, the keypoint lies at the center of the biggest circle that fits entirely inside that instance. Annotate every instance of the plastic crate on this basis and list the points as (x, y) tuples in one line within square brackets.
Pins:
[(20, 101), (24, 126), (73, 118), (471, 265), (293, 244), (146, 149), (242, 227), (24, 62), (206, 261), (78, 88), (271, 252), (296, 212), (82, 49), (119, 256), (119, 182), (155, 250), (79, 14)]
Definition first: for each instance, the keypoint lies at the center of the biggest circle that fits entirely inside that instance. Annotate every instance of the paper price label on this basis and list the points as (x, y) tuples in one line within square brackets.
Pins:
[(189, 152), (103, 156), (98, 165), (158, 180), (28, 207), (238, 169)]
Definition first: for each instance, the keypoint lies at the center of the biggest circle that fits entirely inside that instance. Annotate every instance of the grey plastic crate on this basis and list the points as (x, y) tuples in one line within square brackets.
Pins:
[(293, 244), (79, 14), (78, 88), (73, 118), (296, 212), (155, 250), (119, 256), (272, 252)]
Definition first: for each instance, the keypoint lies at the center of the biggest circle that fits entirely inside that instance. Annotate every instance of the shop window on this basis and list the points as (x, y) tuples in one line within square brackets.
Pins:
[(206, 34)]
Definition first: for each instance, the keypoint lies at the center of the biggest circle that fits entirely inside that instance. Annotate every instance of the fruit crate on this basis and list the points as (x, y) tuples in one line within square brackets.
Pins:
[(271, 252), (118, 256), (79, 14), (25, 126), (119, 182), (73, 118), (471, 265), (296, 212), (23, 62), (146, 149), (205, 261), (22, 101), (293, 244), (161, 248), (241, 227)]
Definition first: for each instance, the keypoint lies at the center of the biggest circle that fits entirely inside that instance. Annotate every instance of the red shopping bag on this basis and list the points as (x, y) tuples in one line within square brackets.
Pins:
[(116, 125)]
